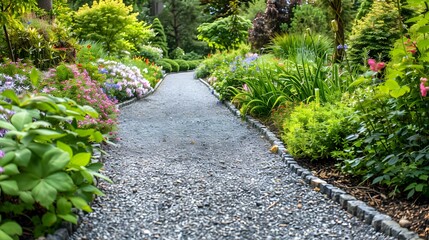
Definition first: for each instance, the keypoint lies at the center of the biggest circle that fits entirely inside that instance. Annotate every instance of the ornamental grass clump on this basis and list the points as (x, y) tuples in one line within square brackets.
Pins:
[(123, 82)]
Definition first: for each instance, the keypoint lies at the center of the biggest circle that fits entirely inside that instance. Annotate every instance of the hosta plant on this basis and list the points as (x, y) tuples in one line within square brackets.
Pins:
[(46, 166)]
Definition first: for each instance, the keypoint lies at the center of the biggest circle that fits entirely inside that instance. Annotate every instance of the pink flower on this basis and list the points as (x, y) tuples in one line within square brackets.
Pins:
[(375, 66), (245, 87), (1, 170), (423, 88)]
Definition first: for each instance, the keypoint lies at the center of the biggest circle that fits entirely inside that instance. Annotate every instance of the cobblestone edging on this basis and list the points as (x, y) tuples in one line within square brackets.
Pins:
[(369, 215), (67, 228)]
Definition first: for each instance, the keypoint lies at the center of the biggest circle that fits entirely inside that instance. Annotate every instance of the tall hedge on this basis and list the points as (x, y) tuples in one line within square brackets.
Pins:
[(160, 39)]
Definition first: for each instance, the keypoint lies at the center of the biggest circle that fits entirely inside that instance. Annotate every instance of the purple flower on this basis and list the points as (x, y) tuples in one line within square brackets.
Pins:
[(1, 154), (1, 170)]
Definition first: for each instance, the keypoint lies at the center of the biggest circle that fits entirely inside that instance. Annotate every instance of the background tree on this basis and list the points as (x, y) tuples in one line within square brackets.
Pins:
[(224, 8), (112, 23), (225, 33), (11, 10), (159, 39), (309, 16), (180, 19), (373, 36)]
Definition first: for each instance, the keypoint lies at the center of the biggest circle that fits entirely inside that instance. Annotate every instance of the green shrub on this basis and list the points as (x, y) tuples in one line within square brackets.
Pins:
[(52, 170), (183, 64), (165, 65), (392, 146), (301, 45), (192, 56), (193, 64), (315, 132), (112, 23), (90, 51), (159, 39), (308, 16), (151, 53), (373, 36), (174, 65), (177, 53), (44, 44)]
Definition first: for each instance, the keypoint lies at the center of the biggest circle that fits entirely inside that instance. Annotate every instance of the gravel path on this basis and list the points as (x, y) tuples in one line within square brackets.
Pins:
[(186, 168)]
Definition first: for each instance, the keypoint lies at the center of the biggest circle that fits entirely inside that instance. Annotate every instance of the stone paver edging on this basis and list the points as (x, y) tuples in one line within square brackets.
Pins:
[(381, 222)]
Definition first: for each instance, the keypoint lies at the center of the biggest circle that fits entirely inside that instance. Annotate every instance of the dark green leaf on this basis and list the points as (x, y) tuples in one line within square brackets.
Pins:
[(20, 119), (10, 169), (26, 197), (22, 157), (9, 187), (60, 181), (49, 219)]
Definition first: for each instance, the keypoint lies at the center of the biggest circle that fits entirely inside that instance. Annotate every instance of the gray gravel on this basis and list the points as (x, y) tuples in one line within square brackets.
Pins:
[(186, 168)]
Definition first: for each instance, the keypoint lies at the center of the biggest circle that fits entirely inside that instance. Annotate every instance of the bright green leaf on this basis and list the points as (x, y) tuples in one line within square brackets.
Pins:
[(11, 95), (26, 197), (20, 119), (7, 126), (66, 148), (9, 187), (10, 169), (49, 219), (63, 206), (61, 181), (11, 228), (68, 217), (4, 236), (80, 204), (8, 157), (56, 160), (81, 159)]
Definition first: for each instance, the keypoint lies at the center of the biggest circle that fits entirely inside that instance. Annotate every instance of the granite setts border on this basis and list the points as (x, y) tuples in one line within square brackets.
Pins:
[(67, 229), (369, 215)]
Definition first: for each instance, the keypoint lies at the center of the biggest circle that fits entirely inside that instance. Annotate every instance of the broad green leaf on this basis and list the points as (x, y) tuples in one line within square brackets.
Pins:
[(68, 217), (424, 177), (26, 181), (8, 157), (44, 193), (34, 76), (5, 142), (11, 95), (26, 197), (10, 169), (80, 159), (92, 189), (98, 137), (61, 181), (20, 119), (40, 148), (378, 179), (419, 187), (84, 132), (66, 148), (9, 187), (90, 111), (49, 219), (80, 204), (11, 228), (424, 29), (55, 160), (39, 124), (87, 175), (63, 206), (4, 236), (422, 44), (7, 126), (22, 157)]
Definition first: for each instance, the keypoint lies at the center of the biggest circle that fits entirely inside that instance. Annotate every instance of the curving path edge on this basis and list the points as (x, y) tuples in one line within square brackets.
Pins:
[(188, 169)]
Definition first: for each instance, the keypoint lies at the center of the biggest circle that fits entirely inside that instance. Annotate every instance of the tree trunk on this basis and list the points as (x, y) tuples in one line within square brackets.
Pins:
[(339, 34), (9, 45), (45, 5)]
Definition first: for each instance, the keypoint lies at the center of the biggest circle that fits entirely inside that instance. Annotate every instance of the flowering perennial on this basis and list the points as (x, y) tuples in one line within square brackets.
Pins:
[(123, 82)]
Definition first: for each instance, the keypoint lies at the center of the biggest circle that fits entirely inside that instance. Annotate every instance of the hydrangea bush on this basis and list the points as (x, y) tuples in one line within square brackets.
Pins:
[(123, 82)]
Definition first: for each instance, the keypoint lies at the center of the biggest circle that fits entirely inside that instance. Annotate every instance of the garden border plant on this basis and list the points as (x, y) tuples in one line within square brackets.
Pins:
[(381, 222)]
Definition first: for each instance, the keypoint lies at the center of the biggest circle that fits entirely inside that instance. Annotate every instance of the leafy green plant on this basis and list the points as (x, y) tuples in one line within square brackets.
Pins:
[(375, 33), (177, 53), (308, 16), (89, 52), (262, 92), (159, 39), (150, 52), (174, 65), (111, 22), (314, 132), (46, 162), (183, 64), (225, 33), (165, 65), (390, 148)]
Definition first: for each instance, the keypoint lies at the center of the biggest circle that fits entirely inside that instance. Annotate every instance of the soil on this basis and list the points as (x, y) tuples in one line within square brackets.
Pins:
[(414, 210)]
